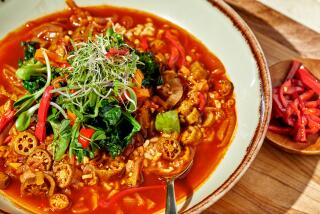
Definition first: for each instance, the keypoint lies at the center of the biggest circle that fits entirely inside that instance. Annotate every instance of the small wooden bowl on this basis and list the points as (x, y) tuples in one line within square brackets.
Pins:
[(278, 73)]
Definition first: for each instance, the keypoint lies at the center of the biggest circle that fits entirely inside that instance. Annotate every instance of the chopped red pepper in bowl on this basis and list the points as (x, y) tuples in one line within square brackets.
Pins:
[(296, 104)]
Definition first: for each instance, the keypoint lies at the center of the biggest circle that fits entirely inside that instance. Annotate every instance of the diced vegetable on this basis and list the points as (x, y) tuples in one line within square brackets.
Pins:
[(168, 122), (85, 136)]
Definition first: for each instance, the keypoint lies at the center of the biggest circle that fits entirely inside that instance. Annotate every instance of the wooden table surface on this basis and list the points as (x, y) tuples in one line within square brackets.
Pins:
[(276, 182)]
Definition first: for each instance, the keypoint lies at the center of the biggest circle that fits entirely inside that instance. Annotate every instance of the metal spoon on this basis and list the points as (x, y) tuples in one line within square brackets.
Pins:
[(171, 207), (278, 73)]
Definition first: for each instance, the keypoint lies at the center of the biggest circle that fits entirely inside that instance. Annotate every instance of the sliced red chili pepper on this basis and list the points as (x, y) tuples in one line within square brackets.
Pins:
[(40, 132), (295, 65), (277, 105), (297, 83), (202, 101), (291, 114), (307, 95), (175, 42), (174, 57), (283, 88), (294, 104), (309, 80), (280, 130), (114, 51), (295, 89), (312, 104), (6, 118), (312, 111), (300, 128), (85, 136), (144, 44)]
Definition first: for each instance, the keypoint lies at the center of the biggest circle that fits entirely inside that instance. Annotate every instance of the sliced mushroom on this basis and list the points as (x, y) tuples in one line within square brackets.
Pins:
[(38, 184), (176, 92), (63, 174), (59, 201), (4, 180), (24, 143), (89, 176), (40, 160)]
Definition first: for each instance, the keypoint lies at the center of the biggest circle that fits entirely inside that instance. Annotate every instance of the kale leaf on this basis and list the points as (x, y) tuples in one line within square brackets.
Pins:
[(150, 69), (30, 48), (119, 128), (34, 84)]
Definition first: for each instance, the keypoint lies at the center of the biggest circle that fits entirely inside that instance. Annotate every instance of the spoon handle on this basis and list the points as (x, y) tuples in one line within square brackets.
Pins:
[(171, 207)]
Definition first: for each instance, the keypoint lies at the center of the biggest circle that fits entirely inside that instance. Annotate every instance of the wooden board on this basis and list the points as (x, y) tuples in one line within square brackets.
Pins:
[(276, 182)]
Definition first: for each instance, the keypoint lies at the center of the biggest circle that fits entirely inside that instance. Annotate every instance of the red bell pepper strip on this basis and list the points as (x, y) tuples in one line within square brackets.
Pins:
[(309, 80), (295, 89), (175, 42), (312, 104), (144, 44), (307, 95), (202, 101), (283, 89), (40, 132), (296, 102), (277, 105), (314, 118), (295, 65), (280, 130), (312, 111), (85, 136), (174, 57), (7, 118), (114, 51)]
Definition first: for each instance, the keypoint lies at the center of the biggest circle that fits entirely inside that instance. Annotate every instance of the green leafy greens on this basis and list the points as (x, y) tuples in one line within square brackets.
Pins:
[(99, 93), (150, 68)]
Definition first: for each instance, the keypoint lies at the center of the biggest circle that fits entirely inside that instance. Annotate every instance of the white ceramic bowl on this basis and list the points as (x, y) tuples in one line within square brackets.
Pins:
[(229, 38)]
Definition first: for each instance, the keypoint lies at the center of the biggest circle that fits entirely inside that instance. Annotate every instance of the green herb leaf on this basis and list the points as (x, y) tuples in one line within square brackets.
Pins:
[(62, 136)]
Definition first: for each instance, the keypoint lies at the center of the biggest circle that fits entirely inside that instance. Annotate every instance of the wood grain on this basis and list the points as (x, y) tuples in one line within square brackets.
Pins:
[(276, 182)]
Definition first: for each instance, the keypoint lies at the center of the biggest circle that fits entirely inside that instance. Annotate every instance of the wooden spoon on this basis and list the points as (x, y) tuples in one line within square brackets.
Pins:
[(278, 73)]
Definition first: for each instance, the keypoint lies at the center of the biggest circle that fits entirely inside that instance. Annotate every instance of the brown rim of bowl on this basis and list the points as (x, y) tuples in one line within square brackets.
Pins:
[(265, 107)]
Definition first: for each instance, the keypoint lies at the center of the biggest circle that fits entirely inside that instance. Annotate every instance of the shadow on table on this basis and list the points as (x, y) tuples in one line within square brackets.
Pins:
[(273, 184)]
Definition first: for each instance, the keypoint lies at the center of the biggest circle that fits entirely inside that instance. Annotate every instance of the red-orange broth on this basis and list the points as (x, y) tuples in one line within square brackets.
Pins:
[(207, 154)]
